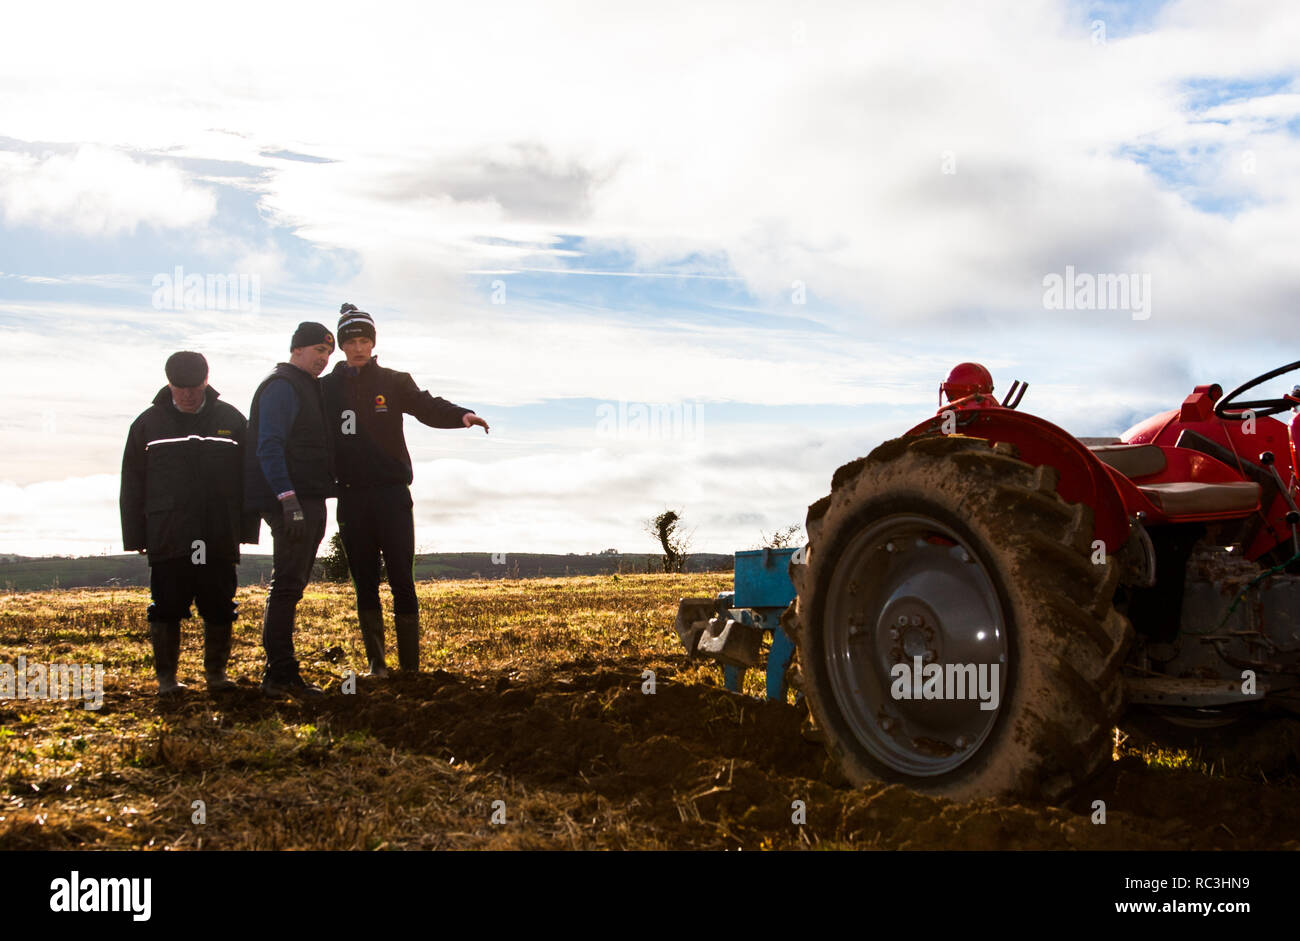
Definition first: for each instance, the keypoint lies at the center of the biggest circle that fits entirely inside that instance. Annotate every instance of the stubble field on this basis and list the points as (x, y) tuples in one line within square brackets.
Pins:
[(531, 711)]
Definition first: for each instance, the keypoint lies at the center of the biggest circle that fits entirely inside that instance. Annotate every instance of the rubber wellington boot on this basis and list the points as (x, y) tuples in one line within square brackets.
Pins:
[(372, 635), (408, 642), (166, 638), (216, 654)]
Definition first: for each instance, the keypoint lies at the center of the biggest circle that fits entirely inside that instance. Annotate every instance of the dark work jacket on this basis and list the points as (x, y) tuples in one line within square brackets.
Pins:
[(374, 453), (182, 481), (308, 451)]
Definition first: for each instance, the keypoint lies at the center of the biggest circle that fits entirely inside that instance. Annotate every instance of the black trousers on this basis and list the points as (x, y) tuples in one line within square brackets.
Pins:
[(177, 582), (291, 565), (375, 520)]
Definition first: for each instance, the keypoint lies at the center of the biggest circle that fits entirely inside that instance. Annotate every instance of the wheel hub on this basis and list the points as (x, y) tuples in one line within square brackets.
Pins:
[(908, 629)]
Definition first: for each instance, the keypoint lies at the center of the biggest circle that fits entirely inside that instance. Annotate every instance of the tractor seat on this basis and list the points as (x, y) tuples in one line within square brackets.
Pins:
[(1131, 460), (1193, 499)]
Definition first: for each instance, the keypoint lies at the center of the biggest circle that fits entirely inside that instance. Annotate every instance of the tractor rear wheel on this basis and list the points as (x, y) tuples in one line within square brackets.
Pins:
[(956, 552)]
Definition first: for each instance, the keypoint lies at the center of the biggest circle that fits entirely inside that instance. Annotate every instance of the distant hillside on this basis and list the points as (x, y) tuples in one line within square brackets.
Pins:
[(20, 573)]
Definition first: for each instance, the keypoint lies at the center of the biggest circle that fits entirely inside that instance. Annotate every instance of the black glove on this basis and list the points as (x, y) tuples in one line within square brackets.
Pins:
[(295, 522)]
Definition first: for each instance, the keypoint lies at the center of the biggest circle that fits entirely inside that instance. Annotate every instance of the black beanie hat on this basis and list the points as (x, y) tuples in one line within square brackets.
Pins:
[(186, 369), (355, 323), (310, 333)]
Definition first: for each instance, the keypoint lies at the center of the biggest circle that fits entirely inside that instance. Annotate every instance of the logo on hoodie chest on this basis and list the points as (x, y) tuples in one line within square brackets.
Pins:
[(381, 404)]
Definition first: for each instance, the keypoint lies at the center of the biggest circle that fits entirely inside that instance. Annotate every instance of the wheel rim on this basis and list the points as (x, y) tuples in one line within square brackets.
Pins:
[(910, 586)]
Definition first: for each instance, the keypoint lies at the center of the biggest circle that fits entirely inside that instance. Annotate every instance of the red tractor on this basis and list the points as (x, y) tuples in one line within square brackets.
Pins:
[(983, 598)]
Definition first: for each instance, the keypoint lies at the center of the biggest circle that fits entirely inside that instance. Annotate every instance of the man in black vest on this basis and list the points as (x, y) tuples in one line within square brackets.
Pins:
[(182, 503), (365, 403), (288, 473)]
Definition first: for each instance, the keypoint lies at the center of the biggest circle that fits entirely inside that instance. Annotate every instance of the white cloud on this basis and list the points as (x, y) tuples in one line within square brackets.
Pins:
[(61, 517), (98, 192), (804, 142)]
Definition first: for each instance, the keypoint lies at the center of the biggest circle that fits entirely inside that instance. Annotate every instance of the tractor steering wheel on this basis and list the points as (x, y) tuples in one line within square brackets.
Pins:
[(1257, 407)]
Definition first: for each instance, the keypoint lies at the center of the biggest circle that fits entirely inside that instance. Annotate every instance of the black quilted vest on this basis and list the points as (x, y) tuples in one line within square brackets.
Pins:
[(309, 450)]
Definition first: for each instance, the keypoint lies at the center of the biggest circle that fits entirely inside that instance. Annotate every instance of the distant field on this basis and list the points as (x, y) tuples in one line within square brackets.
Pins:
[(533, 697), (29, 574)]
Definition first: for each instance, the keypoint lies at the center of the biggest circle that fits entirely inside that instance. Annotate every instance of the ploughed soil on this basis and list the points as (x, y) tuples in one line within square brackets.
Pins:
[(699, 767), (543, 752)]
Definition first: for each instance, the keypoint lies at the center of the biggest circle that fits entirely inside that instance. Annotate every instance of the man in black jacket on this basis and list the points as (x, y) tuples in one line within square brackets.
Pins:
[(365, 403), (288, 473), (182, 503)]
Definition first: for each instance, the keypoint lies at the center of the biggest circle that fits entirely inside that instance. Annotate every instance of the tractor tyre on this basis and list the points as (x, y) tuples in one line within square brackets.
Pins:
[(953, 550)]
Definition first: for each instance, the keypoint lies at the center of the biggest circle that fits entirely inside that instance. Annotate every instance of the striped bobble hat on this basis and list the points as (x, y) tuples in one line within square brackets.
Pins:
[(354, 323)]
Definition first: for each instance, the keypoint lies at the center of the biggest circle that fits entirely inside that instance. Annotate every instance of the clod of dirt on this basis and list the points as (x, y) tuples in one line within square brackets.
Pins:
[(657, 757)]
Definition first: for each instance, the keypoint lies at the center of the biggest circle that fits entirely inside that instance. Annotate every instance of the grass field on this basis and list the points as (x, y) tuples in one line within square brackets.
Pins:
[(531, 711)]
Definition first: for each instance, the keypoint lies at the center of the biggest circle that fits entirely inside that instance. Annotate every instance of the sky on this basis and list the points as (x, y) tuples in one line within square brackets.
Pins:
[(773, 227)]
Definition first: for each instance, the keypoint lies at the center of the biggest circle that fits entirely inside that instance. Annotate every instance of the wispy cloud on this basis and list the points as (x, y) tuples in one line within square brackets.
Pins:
[(98, 192)]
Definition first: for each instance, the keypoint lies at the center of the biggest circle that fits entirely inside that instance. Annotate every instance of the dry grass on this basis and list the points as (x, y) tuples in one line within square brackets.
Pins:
[(281, 775), (531, 697)]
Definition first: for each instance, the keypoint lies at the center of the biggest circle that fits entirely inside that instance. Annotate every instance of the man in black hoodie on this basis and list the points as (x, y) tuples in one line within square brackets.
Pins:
[(182, 503), (365, 403)]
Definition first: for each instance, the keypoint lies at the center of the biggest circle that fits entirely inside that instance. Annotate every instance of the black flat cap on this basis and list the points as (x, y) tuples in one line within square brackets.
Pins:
[(186, 369)]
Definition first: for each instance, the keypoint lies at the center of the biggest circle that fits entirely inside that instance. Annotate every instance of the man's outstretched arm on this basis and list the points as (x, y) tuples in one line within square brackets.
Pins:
[(434, 411)]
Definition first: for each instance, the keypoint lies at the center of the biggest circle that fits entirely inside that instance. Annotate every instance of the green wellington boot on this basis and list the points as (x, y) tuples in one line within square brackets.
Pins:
[(408, 642), (372, 635), (166, 639), (216, 654)]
